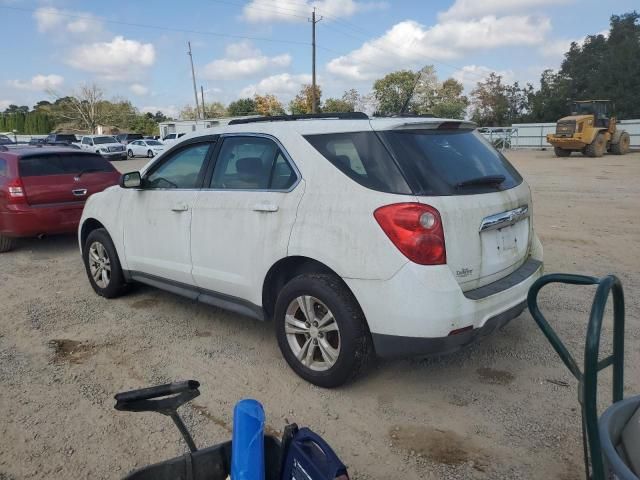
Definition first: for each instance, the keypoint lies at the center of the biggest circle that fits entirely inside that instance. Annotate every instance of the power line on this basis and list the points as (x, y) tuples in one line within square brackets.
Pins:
[(157, 27), (279, 11)]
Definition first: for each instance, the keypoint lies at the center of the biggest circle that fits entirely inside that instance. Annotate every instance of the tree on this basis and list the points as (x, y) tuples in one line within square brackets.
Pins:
[(85, 108), (159, 117), (303, 103), (16, 109), (215, 110), (449, 102), (337, 105), (242, 107), (353, 98), (405, 91), (188, 113), (489, 103), (268, 105)]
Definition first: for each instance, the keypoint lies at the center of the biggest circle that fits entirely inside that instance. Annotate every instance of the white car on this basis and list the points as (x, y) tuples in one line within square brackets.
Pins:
[(105, 145), (172, 138), (355, 236), (144, 148)]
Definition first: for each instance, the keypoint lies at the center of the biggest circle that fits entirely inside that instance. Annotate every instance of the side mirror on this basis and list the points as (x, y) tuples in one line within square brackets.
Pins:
[(131, 180)]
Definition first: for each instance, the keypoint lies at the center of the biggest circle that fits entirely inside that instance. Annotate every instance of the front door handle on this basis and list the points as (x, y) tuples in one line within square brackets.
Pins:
[(180, 207), (79, 192), (265, 207)]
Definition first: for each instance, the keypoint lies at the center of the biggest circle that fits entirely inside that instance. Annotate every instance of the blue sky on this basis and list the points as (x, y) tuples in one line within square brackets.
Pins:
[(137, 49)]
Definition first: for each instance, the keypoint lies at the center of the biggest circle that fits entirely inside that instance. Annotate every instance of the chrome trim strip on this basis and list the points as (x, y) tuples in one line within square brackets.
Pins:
[(504, 219)]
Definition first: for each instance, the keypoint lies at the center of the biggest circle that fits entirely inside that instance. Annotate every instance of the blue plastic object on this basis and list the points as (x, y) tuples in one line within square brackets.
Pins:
[(247, 447), (611, 425), (309, 457)]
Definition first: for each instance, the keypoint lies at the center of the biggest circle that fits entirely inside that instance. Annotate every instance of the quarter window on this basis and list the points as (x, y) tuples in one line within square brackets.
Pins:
[(252, 163), (182, 170)]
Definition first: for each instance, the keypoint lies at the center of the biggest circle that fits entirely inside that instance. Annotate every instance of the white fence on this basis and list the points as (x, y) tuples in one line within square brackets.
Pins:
[(534, 135)]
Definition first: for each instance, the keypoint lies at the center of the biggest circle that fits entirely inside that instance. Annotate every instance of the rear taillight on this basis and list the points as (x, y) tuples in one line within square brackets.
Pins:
[(416, 230), (15, 191)]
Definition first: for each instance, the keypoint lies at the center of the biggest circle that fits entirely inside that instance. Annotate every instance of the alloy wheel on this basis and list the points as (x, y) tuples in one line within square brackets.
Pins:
[(99, 264), (312, 333)]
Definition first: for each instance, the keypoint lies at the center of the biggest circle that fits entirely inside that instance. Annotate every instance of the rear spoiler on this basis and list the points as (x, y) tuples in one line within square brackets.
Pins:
[(445, 125)]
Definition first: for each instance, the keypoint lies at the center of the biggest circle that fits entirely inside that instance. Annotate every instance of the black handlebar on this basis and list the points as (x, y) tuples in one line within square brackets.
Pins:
[(157, 391)]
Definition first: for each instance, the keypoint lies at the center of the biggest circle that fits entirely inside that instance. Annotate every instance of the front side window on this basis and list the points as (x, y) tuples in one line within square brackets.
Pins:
[(183, 169), (252, 163), (85, 141)]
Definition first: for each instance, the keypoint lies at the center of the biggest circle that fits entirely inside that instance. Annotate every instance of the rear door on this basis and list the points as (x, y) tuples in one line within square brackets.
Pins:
[(54, 178), (483, 201)]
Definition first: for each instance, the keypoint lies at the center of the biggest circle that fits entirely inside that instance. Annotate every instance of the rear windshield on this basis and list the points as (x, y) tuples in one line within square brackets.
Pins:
[(66, 138), (424, 162), (450, 162), (63, 164), (133, 136)]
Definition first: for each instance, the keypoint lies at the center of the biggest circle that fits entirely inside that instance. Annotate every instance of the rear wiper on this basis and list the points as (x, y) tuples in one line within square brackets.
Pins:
[(487, 180)]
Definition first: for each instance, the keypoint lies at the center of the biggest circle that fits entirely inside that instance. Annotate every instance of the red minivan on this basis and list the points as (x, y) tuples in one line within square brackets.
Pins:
[(43, 189)]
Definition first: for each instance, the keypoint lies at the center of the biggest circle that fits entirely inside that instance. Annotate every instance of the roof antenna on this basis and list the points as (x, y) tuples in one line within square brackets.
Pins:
[(410, 96)]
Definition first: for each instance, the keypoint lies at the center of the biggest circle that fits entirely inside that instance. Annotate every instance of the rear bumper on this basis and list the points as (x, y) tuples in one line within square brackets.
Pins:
[(396, 346), (416, 311), (29, 221)]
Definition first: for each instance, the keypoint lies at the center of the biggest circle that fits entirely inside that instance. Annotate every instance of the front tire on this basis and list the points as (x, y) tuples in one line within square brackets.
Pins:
[(6, 243), (561, 152), (149, 154), (130, 153), (321, 330), (103, 265), (597, 147)]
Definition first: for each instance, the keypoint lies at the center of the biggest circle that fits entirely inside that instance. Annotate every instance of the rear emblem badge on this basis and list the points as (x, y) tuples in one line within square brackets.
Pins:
[(465, 272)]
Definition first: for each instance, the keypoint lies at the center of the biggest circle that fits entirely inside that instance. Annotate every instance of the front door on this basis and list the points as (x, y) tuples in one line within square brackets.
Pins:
[(157, 222), (243, 217)]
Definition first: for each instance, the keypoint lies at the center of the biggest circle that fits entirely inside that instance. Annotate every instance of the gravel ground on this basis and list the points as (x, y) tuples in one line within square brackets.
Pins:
[(497, 410)]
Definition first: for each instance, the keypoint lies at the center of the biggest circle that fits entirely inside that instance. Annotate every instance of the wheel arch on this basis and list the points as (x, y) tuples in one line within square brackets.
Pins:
[(286, 269), (88, 226)]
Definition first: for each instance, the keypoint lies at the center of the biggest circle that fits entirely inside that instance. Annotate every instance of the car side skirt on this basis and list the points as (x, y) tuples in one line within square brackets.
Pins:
[(221, 300)]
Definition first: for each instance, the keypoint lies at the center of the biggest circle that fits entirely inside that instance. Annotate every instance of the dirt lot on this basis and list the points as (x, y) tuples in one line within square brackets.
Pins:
[(497, 410)]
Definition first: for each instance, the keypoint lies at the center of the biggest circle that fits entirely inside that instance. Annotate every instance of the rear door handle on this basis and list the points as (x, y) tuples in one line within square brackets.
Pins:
[(180, 207), (265, 207), (79, 192)]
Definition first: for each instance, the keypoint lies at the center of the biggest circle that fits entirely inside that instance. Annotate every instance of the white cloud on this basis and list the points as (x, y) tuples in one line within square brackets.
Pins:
[(243, 60), (138, 89), (558, 47), (48, 18), (38, 82), (474, 8), (283, 85), (119, 59), (286, 11), (470, 75), (51, 19), (169, 110), (4, 104), (409, 44)]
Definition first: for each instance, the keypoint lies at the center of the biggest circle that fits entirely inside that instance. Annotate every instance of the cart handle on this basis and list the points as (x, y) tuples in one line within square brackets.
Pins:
[(157, 391), (588, 378)]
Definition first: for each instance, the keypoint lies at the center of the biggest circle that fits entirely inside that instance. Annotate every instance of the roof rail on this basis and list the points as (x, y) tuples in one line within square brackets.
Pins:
[(407, 115), (307, 116)]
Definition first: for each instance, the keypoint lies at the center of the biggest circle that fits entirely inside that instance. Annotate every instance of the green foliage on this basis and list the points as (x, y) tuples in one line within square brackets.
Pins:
[(449, 102), (395, 90), (241, 107), (303, 103), (337, 105), (34, 123)]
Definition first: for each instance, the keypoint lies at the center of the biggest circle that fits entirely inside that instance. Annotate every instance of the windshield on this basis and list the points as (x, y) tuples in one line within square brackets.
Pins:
[(439, 162), (153, 142), (103, 140)]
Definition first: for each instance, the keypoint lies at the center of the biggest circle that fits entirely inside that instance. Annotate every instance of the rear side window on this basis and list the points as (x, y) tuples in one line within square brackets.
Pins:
[(3, 168), (449, 162), (58, 164), (363, 158)]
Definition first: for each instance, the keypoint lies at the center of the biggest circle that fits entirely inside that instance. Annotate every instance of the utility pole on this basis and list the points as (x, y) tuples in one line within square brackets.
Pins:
[(204, 113), (314, 100), (193, 76)]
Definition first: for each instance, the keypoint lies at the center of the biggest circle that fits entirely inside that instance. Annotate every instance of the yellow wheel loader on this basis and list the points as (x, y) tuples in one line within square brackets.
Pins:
[(590, 130)]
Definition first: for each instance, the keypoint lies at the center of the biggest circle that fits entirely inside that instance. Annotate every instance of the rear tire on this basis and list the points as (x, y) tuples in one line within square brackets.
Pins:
[(623, 144), (561, 152), (103, 265), (333, 341), (597, 147), (6, 243)]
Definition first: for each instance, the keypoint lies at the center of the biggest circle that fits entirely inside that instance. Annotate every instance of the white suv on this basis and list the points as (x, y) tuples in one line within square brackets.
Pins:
[(394, 236)]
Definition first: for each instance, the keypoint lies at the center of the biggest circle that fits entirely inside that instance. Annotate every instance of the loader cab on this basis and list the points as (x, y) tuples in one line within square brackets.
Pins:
[(600, 109)]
